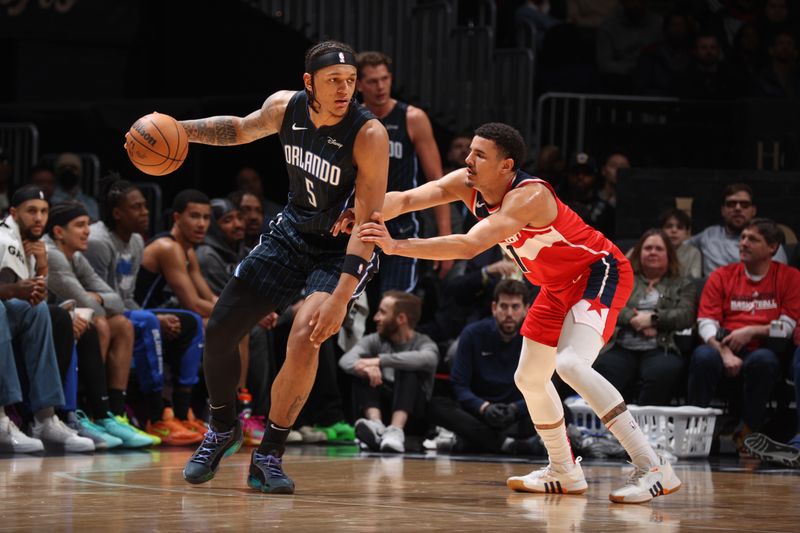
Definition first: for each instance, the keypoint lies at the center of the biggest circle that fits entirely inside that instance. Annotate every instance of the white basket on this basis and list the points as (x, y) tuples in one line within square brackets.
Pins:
[(683, 431)]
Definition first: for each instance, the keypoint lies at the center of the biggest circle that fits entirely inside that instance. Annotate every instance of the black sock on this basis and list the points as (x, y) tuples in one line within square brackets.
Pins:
[(223, 417), (274, 440), (116, 401), (155, 406), (181, 397)]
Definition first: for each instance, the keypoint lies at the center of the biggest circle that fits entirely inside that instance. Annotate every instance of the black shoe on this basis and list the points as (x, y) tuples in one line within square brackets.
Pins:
[(204, 462), (760, 446), (266, 475)]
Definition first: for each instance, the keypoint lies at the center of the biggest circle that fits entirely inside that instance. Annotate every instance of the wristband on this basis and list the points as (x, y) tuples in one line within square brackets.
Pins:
[(354, 265)]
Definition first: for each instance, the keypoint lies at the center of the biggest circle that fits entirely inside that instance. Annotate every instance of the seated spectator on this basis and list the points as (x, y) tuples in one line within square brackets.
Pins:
[(249, 180), (115, 251), (69, 171), (393, 371), (746, 56), (170, 276), (25, 326), (677, 226), (581, 194), (71, 277), (488, 413), (780, 78), (252, 211), (550, 165), (613, 163), (536, 13), (739, 305), (22, 231), (709, 76), (642, 355), (44, 178), (720, 244), (769, 450)]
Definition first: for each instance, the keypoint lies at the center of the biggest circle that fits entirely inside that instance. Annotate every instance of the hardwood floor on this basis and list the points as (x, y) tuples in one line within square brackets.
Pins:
[(342, 490)]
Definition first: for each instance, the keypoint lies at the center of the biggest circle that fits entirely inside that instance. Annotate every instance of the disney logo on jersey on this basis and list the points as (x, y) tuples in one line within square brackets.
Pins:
[(313, 164), (334, 142)]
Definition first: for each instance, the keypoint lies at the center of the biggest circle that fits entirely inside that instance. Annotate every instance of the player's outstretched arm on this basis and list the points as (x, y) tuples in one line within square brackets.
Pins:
[(371, 155), (515, 214), (439, 192), (224, 130)]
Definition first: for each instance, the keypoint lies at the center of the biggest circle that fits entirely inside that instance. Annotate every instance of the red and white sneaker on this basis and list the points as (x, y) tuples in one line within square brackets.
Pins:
[(645, 484), (550, 480)]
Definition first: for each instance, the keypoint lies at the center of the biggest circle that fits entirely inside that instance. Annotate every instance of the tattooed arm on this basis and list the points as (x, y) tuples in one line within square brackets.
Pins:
[(228, 130)]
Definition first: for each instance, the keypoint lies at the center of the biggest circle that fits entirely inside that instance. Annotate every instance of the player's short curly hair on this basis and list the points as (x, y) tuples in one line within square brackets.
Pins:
[(507, 139)]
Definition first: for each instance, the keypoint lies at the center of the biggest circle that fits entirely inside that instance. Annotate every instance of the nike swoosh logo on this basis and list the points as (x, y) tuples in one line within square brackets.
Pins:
[(486, 353), (295, 128)]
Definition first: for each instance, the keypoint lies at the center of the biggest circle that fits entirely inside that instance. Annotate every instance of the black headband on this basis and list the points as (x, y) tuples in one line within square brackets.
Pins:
[(330, 58), (28, 192), (62, 218)]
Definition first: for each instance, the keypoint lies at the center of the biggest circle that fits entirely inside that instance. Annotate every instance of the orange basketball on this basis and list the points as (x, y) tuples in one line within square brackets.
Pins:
[(157, 144)]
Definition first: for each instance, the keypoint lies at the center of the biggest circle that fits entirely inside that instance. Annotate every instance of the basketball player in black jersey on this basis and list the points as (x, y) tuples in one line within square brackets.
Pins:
[(411, 146), (337, 157)]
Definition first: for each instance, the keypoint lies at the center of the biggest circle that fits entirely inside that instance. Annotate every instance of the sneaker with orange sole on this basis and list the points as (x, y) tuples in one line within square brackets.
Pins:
[(172, 431), (195, 424)]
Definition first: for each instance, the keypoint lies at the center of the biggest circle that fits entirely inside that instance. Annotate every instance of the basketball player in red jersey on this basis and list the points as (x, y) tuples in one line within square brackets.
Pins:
[(585, 280)]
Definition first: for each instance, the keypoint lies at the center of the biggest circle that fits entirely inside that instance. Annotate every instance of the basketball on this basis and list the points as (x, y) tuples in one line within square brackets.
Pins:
[(157, 144)]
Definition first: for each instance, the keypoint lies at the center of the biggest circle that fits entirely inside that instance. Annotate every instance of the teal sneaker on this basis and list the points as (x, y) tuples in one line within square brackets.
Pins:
[(123, 430), (203, 464), (97, 432), (123, 419), (266, 475)]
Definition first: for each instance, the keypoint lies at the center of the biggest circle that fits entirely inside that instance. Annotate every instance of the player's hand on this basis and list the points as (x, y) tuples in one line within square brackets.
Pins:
[(269, 321), (503, 268), (79, 326), (327, 320), (374, 375), (731, 362), (170, 326), (345, 223), (25, 289), (37, 249), (39, 293), (500, 415), (375, 232), (738, 338)]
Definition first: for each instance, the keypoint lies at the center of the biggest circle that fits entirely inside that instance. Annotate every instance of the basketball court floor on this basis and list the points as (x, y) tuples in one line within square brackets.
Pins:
[(340, 489)]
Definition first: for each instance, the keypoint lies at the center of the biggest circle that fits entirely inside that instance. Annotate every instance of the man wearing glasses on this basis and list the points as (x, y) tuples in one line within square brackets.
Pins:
[(720, 243)]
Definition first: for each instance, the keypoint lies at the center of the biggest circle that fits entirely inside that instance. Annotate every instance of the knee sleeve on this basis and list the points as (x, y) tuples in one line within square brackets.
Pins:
[(533, 378), (577, 349)]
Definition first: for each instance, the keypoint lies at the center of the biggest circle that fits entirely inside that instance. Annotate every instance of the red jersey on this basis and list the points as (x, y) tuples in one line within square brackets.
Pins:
[(557, 255), (734, 300)]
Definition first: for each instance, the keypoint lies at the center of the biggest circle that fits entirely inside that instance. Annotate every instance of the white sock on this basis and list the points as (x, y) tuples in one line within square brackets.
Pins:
[(558, 447), (628, 433)]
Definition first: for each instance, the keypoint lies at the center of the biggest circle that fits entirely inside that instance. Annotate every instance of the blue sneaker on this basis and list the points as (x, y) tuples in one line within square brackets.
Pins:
[(95, 431), (266, 475), (122, 430), (204, 462)]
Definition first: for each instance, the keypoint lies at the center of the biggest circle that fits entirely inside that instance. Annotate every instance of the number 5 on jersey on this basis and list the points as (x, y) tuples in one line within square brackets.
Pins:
[(310, 188)]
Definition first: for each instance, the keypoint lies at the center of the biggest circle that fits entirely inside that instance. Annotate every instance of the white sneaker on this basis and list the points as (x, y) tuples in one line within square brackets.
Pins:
[(548, 480), (54, 433), (311, 435), (645, 484), (12, 440), (393, 440), (370, 432), (293, 437)]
